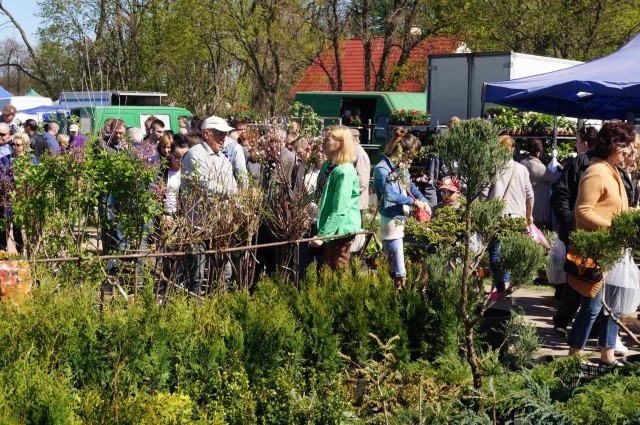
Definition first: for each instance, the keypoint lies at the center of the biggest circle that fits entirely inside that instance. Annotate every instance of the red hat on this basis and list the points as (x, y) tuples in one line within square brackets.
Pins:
[(450, 183)]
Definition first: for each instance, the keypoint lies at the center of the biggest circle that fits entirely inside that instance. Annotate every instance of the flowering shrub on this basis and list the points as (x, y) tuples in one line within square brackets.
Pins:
[(243, 113), (409, 117)]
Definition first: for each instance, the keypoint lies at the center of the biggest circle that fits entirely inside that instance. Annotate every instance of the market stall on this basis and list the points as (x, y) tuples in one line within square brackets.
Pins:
[(604, 88)]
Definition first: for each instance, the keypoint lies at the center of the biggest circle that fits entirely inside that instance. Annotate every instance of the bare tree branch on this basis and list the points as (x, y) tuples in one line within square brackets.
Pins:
[(32, 53)]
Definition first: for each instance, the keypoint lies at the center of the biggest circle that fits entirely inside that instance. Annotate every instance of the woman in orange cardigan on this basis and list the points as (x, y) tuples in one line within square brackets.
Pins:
[(601, 194)]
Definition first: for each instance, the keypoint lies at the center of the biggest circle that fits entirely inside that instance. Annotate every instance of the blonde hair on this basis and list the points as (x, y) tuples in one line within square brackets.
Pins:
[(342, 135), (164, 142), (63, 139), (407, 141), (24, 137), (508, 143)]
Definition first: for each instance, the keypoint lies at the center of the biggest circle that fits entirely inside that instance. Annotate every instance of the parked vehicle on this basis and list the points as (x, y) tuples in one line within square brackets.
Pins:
[(93, 117), (133, 107), (372, 110), (455, 81)]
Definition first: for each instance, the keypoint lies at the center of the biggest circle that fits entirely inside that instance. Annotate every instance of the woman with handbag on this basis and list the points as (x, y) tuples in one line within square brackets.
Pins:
[(601, 194), (338, 211), (397, 194)]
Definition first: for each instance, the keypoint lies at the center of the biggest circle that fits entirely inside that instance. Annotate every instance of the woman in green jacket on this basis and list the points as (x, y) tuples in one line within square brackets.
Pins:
[(338, 211)]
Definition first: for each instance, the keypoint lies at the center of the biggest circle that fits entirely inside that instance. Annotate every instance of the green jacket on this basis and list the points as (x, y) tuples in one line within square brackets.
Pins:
[(338, 210)]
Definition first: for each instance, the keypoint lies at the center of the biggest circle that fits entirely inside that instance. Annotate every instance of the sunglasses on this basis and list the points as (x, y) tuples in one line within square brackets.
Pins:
[(17, 144), (447, 192)]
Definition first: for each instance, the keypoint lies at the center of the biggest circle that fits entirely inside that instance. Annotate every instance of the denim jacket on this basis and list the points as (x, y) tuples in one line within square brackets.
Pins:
[(387, 184)]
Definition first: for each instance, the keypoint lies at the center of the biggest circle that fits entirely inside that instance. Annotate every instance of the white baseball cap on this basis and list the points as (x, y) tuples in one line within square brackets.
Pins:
[(216, 123), (74, 127)]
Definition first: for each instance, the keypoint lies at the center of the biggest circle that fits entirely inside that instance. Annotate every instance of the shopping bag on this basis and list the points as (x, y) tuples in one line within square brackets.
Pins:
[(475, 243), (622, 291), (538, 236), (555, 263)]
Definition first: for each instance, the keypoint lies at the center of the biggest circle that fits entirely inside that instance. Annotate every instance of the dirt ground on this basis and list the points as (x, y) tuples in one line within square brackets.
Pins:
[(540, 307)]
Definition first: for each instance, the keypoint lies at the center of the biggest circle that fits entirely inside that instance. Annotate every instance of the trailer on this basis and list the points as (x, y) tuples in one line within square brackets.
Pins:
[(455, 81)]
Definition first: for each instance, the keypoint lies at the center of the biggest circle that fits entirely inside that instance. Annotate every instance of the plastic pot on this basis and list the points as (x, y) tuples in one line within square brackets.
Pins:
[(492, 328)]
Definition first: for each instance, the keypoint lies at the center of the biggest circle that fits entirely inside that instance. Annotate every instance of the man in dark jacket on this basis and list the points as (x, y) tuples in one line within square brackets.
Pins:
[(563, 200)]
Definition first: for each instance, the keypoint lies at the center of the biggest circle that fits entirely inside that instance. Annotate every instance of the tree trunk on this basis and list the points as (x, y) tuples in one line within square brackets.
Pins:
[(366, 44), (335, 40), (472, 357)]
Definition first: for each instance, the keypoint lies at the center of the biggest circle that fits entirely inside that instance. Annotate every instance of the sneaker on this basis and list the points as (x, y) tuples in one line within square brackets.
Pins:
[(620, 349), (560, 331)]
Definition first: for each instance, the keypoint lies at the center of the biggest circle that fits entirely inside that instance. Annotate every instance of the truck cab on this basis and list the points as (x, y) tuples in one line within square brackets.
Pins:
[(94, 107), (367, 111)]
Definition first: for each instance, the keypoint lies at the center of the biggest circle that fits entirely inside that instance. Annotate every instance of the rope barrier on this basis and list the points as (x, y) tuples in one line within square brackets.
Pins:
[(185, 253)]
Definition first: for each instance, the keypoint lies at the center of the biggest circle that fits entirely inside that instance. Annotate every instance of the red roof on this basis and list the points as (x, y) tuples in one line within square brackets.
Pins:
[(413, 75)]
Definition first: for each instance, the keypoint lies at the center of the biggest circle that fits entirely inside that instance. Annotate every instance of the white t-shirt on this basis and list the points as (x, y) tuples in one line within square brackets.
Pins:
[(171, 196)]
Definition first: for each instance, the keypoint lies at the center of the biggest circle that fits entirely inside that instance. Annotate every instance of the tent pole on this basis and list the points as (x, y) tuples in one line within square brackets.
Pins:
[(555, 135)]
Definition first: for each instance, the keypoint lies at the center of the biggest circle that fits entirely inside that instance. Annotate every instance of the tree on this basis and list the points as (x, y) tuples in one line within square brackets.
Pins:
[(571, 29), (472, 147)]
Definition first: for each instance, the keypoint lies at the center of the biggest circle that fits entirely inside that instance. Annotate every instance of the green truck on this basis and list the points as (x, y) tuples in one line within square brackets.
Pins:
[(372, 109), (93, 117)]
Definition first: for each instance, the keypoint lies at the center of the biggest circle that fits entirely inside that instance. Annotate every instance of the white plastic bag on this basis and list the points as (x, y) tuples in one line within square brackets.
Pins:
[(475, 243), (555, 263), (622, 293)]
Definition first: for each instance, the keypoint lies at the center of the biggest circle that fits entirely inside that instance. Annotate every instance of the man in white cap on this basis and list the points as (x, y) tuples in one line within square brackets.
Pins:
[(77, 140), (205, 165), (206, 171)]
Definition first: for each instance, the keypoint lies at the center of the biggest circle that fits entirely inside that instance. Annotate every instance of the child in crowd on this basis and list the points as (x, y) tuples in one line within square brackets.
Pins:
[(449, 188)]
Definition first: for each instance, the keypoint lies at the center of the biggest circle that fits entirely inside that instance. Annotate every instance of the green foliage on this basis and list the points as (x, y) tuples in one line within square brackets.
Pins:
[(597, 245), (625, 228), (243, 113), (522, 257), (605, 245), (612, 399), (442, 327), (30, 394), (534, 405), (446, 230), (472, 148), (310, 121), (56, 200), (525, 342)]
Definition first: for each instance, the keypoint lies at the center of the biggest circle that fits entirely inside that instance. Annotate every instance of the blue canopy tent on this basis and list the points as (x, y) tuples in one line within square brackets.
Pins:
[(604, 88), (4, 94), (46, 109), (47, 113)]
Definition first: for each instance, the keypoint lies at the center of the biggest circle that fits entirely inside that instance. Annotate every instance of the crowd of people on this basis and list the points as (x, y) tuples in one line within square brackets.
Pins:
[(215, 158)]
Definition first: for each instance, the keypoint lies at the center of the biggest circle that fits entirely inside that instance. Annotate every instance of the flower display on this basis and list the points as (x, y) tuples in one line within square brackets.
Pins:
[(409, 117)]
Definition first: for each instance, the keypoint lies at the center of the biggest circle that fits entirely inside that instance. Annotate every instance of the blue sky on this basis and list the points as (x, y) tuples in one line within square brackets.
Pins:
[(24, 11)]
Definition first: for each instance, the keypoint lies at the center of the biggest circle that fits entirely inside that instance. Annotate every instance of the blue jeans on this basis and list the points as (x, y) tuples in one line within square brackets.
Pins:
[(395, 252), (500, 277), (589, 310)]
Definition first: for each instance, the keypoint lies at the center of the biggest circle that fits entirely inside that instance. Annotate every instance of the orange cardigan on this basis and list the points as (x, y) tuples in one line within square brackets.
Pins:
[(601, 194)]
